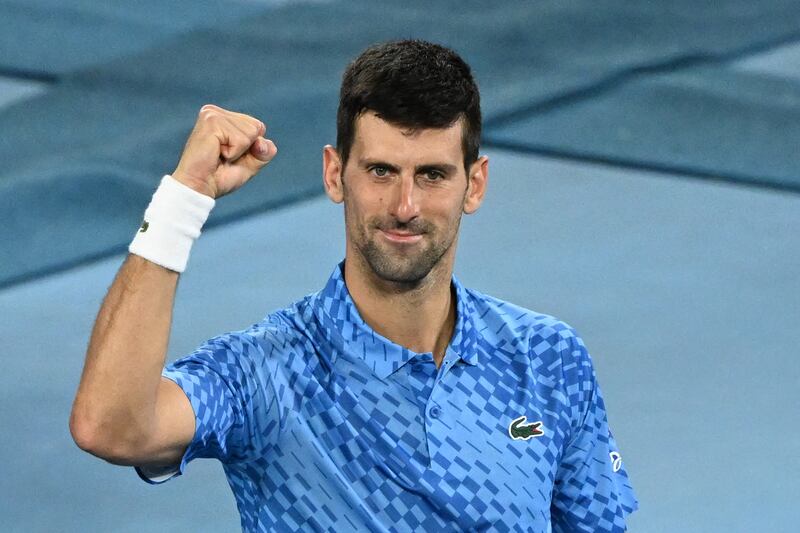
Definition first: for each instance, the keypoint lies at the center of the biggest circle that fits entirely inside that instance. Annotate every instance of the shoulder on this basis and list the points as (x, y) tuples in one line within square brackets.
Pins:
[(282, 328), (550, 347), (502, 322), (550, 350)]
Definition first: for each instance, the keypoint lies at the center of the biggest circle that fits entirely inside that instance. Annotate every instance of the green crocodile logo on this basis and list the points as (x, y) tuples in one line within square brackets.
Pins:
[(145, 225), (519, 430)]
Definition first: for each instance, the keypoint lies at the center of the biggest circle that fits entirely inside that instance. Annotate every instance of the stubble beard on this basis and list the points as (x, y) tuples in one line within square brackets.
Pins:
[(406, 269)]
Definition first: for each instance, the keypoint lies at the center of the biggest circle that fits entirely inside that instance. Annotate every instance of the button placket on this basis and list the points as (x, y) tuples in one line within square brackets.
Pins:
[(450, 359)]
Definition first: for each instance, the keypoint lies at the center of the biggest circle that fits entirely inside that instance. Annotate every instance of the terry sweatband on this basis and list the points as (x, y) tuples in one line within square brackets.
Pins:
[(171, 223)]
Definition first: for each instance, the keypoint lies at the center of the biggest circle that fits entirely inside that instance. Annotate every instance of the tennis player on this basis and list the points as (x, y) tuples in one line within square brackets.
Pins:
[(395, 398)]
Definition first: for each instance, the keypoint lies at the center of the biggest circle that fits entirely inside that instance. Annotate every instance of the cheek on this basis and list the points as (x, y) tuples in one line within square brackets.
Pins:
[(371, 207), (361, 210), (454, 217)]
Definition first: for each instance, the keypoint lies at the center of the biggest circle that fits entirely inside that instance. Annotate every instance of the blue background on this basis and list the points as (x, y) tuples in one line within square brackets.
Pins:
[(643, 187)]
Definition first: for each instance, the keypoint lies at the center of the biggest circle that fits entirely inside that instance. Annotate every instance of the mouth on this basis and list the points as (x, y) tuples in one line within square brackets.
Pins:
[(401, 237)]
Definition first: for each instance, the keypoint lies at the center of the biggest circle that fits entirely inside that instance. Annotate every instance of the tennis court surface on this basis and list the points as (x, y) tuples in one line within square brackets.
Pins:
[(643, 187)]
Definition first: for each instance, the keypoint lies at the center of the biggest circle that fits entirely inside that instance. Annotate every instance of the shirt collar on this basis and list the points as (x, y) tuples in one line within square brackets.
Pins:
[(346, 330)]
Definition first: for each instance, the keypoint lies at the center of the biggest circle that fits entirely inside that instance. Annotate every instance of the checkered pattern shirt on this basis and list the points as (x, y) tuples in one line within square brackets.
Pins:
[(322, 424)]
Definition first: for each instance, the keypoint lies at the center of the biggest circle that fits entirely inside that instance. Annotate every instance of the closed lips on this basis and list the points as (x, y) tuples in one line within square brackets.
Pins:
[(401, 236)]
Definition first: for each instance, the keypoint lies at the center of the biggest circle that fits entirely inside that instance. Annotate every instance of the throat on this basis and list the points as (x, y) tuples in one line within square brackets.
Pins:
[(421, 320)]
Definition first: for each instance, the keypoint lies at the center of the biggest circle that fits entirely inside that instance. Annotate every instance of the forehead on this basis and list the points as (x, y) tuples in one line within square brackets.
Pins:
[(377, 139)]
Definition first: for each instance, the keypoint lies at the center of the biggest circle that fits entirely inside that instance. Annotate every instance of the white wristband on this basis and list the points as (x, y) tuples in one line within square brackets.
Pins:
[(171, 223)]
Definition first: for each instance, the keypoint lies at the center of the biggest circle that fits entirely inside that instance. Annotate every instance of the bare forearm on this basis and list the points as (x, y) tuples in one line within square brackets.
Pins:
[(124, 411), (115, 403)]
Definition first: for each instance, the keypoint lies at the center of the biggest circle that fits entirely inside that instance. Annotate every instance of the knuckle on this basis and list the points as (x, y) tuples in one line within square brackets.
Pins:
[(235, 144), (243, 140), (204, 117), (207, 113), (246, 127)]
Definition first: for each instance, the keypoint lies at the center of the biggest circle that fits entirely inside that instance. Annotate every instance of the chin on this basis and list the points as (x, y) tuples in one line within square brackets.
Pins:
[(406, 270)]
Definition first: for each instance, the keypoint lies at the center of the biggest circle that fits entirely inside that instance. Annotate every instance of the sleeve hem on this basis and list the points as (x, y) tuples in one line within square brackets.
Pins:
[(159, 475)]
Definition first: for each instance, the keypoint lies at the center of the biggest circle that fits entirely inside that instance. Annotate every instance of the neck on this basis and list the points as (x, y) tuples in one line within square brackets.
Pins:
[(419, 316)]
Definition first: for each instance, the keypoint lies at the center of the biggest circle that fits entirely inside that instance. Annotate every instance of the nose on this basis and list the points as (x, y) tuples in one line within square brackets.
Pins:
[(404, 206)]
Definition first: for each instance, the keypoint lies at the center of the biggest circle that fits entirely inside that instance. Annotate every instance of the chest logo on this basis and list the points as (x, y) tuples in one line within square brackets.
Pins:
[(519, 430)]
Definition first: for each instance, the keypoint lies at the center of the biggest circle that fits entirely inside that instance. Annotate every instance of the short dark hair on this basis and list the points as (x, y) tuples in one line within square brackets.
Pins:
[(411, 84)]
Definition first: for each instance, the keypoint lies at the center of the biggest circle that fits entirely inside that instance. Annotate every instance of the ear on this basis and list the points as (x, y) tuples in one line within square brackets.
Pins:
[(476, 184), (332, 174)]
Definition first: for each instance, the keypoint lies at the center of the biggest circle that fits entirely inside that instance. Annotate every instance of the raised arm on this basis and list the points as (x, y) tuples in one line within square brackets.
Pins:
[(124, 411)]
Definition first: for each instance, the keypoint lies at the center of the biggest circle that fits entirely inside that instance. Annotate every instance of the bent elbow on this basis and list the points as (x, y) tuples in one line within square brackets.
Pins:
[(87, 435), (100, 442)]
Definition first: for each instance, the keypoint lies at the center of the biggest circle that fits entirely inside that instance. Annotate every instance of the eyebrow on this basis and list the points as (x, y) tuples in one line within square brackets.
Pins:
[(444, 168)]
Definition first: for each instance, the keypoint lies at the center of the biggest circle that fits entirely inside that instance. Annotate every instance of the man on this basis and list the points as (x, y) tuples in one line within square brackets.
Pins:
[(394, 398)]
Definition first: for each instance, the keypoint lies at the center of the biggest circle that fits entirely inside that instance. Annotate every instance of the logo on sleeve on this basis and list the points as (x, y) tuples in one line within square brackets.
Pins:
[(616, 461), (519, 430)]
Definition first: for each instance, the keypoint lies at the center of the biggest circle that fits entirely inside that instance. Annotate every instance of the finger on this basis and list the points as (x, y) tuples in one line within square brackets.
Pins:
[(240, 119), (263, 149), (246, 123), (231, 114), (213, 125), (254, 163), (237, 136), (232, 144), (249, 125), (260, 127)]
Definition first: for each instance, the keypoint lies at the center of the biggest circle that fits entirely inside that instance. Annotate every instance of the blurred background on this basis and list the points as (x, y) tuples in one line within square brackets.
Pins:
[(644, 187)]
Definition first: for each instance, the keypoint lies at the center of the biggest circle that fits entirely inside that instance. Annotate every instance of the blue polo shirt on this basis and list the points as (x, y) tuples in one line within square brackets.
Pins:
[(322, 424)]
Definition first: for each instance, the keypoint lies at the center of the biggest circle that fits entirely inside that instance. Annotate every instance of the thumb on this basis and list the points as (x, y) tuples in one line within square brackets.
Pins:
[(260, 153), (263, 150)]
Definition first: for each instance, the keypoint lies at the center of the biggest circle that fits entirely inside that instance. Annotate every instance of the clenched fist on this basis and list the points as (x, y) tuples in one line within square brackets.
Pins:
[(224, 150)]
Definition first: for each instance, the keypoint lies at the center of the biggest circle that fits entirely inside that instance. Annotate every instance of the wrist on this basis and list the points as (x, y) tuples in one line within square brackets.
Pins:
[(172, 222), (197, 185)]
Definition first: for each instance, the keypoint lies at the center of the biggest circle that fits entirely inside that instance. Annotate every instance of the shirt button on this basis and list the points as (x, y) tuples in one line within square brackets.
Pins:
[(435, 411), (416, 367)]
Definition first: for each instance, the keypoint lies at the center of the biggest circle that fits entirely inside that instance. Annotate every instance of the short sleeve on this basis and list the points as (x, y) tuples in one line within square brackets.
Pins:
[(235, 410), (592, 491)]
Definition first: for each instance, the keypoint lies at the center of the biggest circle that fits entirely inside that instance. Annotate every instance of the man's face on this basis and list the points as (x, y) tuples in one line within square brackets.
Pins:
[(404, 193)]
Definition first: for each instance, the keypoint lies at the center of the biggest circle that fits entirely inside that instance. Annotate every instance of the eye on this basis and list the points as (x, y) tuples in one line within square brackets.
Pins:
[(379, 171), (434, 175)]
